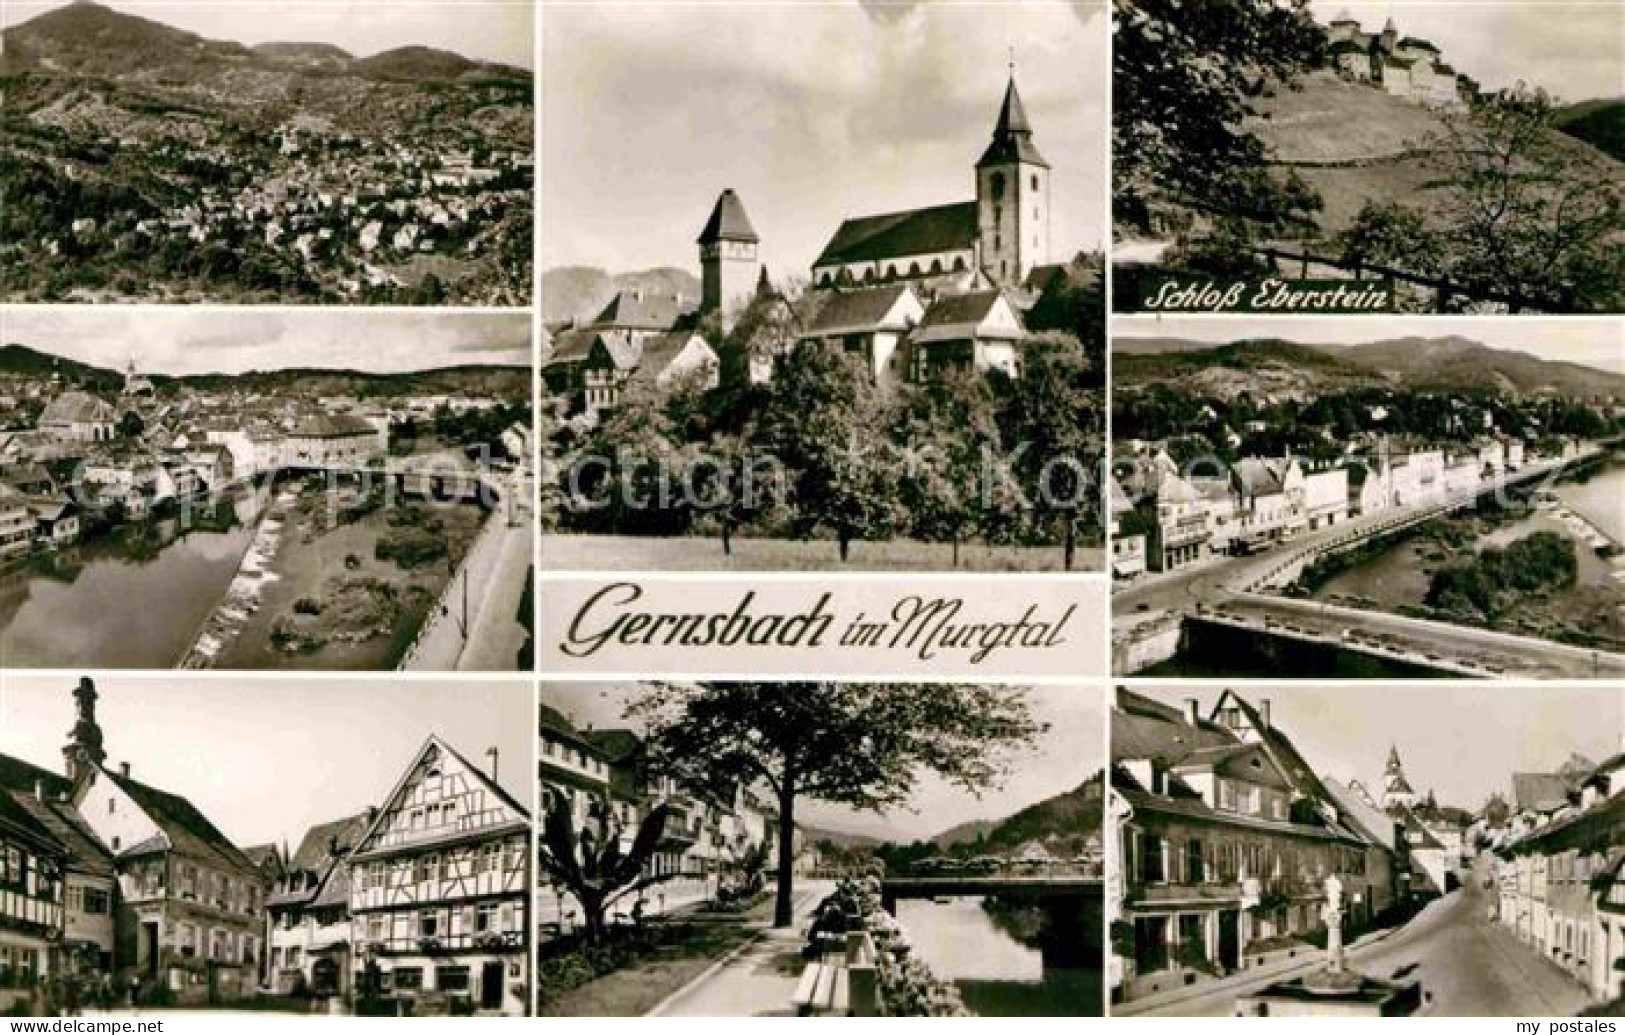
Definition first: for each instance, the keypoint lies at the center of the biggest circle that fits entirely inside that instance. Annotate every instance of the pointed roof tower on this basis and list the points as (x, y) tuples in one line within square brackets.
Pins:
[(728, 221), (1012, 134)]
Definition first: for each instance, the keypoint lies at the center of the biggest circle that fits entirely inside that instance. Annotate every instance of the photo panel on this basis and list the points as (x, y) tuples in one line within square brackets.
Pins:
[(1329, 850), (210, 845), (820, 849), (266, 489), (1371, 498), (853, 320), (268, 153), (1426, 156)]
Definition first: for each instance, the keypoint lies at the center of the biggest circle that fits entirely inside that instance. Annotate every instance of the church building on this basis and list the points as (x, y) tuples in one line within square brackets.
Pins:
[(993, 241)]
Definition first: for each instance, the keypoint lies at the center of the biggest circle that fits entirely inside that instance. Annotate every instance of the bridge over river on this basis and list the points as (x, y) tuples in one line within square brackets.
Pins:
[(1231, 596)]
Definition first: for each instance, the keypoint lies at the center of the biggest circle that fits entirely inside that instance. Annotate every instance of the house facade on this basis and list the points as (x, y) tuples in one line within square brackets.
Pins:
[(440, 892)]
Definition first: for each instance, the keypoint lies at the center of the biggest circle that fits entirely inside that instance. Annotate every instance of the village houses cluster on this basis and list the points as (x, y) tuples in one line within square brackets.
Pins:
[(703, 837), (1225, 834), (913, 293), (349, 211), (1164, 516), (1560, 868), (1407, 67), (419, 904), (118, 458)]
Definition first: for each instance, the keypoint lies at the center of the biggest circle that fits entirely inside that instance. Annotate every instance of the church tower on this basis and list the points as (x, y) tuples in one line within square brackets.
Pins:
[(1396, 790), (729, 266), (1012, 196), (83, 752)]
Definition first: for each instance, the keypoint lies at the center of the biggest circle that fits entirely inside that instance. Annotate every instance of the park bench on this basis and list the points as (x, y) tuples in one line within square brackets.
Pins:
[(840, 983)]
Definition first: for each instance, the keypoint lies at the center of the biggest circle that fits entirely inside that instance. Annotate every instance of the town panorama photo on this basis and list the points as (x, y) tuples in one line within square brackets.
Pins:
[(267, 153)]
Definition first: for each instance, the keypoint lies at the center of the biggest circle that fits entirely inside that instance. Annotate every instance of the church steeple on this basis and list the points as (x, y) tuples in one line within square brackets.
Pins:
[(1396, 790), (83, 752), (1012, 134), (1012, 196)]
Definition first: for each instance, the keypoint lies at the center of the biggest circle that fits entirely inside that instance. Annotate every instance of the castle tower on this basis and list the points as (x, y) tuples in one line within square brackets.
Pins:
[(1396, 790), (83, 752), (1012, 196), (1389, 38), (728, 261)]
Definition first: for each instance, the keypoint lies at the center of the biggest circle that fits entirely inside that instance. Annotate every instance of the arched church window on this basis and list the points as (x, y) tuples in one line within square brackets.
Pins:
[(913, 269), (869, 275), (936, 266), (959, 264), (824, 279), (996, 185), (1035, 181)]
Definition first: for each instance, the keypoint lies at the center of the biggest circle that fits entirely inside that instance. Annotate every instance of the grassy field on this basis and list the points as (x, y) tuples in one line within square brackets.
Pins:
[(636, 553)]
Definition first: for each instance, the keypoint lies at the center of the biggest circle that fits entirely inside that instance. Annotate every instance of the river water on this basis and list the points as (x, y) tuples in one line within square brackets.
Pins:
[(998, 975), (132, 599), (1401, 575)]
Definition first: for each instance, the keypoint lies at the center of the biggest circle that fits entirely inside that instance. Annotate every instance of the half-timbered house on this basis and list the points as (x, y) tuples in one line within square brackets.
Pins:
[(440, 888)]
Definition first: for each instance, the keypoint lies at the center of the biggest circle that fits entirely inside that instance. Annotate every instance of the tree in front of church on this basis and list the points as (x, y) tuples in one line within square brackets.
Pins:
[(826, 424), (1056, 440), (864, 746), (954, 480)]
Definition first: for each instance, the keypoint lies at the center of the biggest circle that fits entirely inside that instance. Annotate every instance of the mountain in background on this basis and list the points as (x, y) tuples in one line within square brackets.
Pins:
[(1460, 364), (839, 838), (27, 362), (1600, 123), (581, 292), (1263, 368), (1064, 822), (471, 378), (90, 40), (1294, 370)]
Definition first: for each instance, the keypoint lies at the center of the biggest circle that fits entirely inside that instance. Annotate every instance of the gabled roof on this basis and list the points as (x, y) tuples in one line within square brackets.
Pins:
[(728, 221), (1256, 477), (259, 855), (956, 317), (1371, 822), (434, 742), (187, 830), (864, 309), (623, 350), (322, 853), (1539, 792), (1144, 728), (22, 823), (640, 311), (660, 350), (332, 425), (895, 235), (75, 407)]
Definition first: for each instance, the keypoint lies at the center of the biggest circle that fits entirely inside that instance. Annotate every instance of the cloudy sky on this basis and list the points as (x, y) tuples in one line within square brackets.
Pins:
[(1596, 343), (1574, 50), (1069, 753), (487, 30), (1462, 742), (265, 759), (813, 112), (227, 341)]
